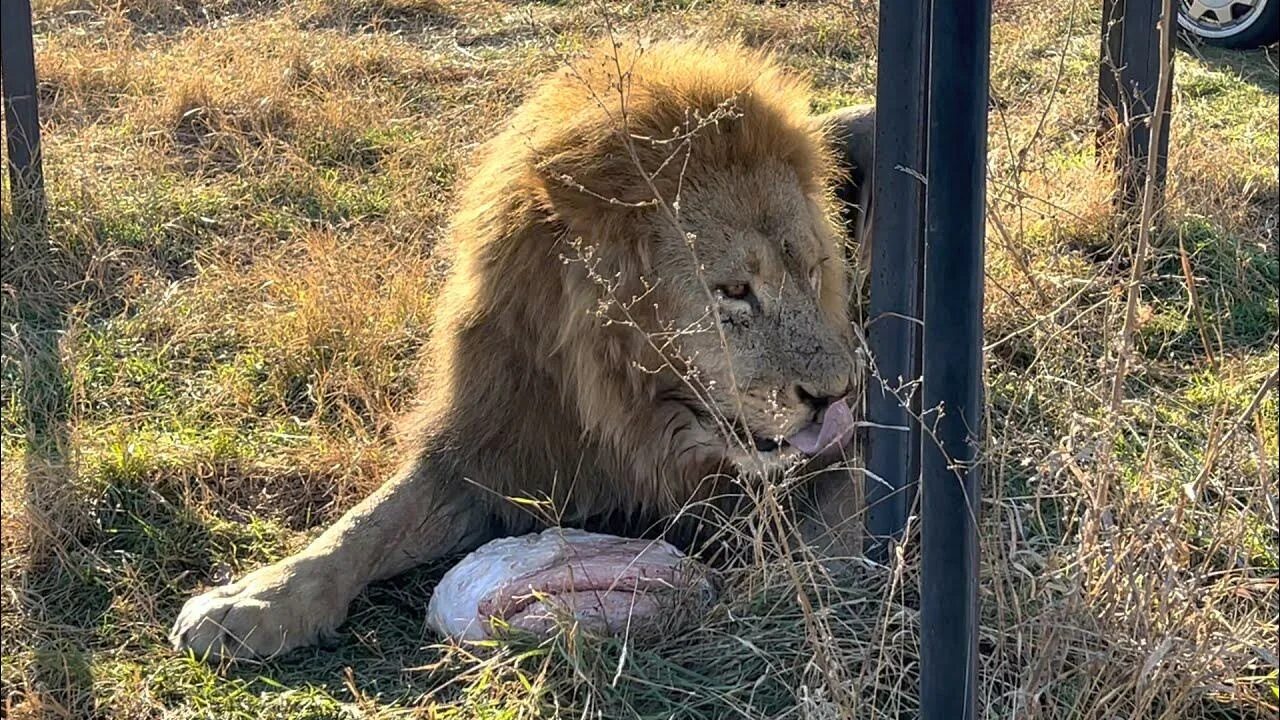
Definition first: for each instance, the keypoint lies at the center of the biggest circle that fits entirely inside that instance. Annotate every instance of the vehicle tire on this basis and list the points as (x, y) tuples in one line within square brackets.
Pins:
[(1238, 24)]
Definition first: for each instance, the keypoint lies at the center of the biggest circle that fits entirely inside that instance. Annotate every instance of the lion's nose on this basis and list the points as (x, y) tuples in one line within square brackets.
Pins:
[(815, 400)]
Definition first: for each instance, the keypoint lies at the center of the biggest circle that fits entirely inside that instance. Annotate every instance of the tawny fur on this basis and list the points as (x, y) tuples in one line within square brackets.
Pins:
[(520, 350), (548, 380)]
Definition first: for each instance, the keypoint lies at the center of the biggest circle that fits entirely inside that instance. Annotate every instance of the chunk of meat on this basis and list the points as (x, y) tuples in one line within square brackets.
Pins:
[(532, 583)]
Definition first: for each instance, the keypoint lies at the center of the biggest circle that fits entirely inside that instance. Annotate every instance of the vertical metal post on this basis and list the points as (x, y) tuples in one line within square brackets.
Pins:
[(960, 39), (893, 333), (21, 112), (1128, 78)]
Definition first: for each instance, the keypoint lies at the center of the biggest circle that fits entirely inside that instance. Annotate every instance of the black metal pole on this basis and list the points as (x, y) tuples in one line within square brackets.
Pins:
[(21, 112), (897, 240), (960, 39), (1128, 78)]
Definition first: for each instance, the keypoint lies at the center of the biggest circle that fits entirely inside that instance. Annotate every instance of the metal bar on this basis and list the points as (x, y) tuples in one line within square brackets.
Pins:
[(952, 352), (893, 333), (21, 111), (1128, 79), (1109, 105)]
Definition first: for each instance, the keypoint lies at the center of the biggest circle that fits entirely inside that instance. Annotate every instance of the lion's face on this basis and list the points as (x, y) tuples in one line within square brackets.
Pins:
[(758, 296)]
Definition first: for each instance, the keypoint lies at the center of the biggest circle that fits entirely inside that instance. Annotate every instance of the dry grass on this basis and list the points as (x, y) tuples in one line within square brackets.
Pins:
[(203, 357)]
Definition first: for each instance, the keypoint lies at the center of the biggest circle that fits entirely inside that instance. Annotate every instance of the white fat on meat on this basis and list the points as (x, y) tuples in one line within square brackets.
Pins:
[(534, 583)]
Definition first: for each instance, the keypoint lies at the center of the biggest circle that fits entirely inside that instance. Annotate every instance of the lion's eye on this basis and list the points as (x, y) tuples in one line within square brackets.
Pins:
[(737, 291)]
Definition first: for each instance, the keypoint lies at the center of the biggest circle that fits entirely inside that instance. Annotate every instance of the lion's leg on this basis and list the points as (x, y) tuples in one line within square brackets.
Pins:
[(828, 518), (415, 517)]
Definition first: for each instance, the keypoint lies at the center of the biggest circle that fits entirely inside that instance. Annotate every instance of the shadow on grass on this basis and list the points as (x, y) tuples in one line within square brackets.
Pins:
[(113, 548), (35, 319), (373, 655), (1234, 306), (1258, 67)]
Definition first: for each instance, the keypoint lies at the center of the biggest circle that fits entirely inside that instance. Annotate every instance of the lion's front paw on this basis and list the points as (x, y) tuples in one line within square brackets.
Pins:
[(269, 611)]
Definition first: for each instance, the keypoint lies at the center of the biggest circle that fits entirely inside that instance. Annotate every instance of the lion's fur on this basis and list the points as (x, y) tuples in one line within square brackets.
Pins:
[(522, 360), (554, 372)]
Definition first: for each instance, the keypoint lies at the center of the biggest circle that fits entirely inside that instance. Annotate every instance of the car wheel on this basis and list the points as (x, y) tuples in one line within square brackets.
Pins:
[(1231, 23)]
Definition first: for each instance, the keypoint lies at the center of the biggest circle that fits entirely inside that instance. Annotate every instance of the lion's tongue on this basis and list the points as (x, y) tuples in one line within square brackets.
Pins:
[(835, 430)]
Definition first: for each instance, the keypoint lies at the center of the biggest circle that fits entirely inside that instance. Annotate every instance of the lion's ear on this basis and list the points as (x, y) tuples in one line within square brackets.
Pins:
[(850, 132)]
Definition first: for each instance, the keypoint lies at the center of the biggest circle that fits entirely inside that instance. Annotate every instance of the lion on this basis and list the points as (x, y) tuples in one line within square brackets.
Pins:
[(648, 294)]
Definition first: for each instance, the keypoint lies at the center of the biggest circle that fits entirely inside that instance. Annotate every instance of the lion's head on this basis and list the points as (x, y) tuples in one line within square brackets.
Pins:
[(683, 190), (758, 285)]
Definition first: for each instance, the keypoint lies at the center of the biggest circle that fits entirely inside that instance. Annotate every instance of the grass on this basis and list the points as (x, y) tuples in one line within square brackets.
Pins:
[(204, 357)]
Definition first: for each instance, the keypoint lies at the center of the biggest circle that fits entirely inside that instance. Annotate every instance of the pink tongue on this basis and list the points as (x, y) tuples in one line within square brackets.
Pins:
[(836, 429)]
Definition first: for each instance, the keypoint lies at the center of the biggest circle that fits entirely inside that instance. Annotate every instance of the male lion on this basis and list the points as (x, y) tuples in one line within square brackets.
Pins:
[(648, 295)]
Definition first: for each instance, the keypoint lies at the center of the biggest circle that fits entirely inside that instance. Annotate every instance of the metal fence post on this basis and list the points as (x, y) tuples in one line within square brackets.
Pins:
[(960, 39), (1128, 77), (897, 240), (21, 111)]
